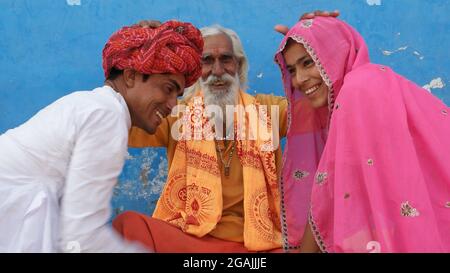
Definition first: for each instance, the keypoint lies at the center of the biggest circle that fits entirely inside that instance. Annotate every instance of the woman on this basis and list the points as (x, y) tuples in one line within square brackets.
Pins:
[(366, 161)]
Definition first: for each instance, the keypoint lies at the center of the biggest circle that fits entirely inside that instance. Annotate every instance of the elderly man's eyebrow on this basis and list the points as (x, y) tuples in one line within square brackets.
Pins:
[(227, 54), (207, 57), (223, 54)]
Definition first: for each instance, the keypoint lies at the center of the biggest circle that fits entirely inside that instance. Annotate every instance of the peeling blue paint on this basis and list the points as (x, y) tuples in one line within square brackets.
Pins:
[(389, 53), (73, 2), (437, 83), (374, 2)]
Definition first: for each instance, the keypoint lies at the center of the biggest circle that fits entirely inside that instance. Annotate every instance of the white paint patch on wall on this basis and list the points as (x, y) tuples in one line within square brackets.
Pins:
[(403, 48), (435, 83), (73, 2), (374, 2), (418, 55), (388, 53)]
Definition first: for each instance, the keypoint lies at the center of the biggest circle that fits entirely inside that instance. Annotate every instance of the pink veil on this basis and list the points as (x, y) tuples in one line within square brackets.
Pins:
[(370, 171)]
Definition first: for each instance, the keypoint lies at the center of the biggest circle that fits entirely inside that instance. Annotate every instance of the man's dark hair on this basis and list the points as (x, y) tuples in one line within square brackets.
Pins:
[(114, 73)]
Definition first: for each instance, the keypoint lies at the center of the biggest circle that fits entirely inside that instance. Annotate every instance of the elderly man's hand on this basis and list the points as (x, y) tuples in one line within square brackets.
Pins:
[(148, 23), (309, 15)]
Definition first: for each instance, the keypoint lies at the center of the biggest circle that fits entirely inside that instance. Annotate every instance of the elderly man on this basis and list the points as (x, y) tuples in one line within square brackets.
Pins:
[(221, 195), (58, 170)]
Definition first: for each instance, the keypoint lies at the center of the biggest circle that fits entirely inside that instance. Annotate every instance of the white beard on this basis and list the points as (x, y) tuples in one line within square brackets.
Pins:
[(224, 97), (221, 98)]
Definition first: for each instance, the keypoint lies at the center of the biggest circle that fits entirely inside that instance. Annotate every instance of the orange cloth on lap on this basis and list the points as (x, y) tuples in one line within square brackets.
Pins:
[(162, 237)]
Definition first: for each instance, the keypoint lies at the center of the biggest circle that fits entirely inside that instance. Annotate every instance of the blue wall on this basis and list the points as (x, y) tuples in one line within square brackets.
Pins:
[(49, 48)]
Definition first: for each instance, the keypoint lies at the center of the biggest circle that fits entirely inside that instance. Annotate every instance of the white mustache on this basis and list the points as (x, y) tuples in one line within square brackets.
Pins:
[(223, 97), (225, 79)]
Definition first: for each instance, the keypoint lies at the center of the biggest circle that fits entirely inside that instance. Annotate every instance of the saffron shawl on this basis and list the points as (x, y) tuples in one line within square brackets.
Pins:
[(192, 196)]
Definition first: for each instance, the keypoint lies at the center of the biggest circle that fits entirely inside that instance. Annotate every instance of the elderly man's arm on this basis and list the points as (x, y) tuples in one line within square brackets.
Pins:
[(282, 106), (148, 23)]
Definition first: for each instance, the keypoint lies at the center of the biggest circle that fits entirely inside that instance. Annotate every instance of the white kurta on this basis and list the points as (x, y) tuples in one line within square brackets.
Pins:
[(57, 174)]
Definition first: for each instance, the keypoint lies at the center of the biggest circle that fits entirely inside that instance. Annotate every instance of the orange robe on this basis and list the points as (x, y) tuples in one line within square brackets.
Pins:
[(230, 227)]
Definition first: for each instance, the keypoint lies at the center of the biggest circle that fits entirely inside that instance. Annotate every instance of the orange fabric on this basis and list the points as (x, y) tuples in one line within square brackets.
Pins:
[(192, 196), (162, 237), (231, 224), (230, 227)]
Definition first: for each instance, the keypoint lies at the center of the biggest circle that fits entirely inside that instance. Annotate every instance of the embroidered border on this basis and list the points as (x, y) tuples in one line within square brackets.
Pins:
[(316, 233)]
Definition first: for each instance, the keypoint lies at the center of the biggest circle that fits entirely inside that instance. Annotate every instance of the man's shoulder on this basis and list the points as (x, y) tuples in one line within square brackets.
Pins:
[(98, 106), (97, 100)]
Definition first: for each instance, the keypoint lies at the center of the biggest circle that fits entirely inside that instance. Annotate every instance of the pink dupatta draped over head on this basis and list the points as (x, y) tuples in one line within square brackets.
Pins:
[(371, 171)]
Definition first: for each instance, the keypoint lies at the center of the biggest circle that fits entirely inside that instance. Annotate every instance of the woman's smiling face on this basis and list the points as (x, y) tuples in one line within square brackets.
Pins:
[(305, 76)]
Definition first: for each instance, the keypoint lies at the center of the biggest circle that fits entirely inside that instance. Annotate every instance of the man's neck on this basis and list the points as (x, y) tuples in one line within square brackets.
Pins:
[(114, 85)]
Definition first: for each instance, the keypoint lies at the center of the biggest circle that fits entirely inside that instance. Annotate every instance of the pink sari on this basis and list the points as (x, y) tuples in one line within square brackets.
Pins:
[(370, 172)]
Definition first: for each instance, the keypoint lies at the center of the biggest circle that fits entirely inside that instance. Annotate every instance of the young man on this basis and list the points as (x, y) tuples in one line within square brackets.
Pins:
[(58, 170)]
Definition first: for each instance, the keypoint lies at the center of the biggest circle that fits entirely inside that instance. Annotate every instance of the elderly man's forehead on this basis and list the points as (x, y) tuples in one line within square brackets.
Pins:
[(217, 53), (217, 43)]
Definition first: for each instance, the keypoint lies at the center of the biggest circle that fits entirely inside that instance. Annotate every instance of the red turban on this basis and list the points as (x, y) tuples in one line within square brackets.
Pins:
[(174, 47)]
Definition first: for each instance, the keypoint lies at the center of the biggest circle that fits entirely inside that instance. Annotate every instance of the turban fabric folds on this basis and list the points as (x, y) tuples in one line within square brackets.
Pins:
[(174, 47)]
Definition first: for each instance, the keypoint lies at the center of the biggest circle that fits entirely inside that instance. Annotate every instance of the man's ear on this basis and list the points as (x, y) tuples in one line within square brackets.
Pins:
[(129, 77)]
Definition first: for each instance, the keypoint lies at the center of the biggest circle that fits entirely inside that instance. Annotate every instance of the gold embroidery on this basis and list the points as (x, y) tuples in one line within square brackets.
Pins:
[(316, 233), (408, 211), (299, 175), (307, 23), (321, 177)]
